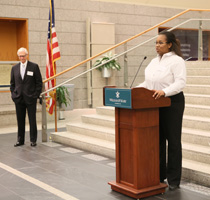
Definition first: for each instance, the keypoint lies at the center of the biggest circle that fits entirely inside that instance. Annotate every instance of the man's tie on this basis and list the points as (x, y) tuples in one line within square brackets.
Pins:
[(23, 71)]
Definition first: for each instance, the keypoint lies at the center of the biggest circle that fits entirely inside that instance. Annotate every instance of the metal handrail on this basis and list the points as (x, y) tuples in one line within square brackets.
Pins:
[(9, 62), (123, 42), (192, 19), (113, 58), (117, 45), (44, 119)]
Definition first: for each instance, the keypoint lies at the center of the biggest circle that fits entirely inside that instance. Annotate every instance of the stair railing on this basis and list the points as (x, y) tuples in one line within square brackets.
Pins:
[(44, 121)]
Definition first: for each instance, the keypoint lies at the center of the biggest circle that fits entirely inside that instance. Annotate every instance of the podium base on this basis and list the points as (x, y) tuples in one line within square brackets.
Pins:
[(138, 193)]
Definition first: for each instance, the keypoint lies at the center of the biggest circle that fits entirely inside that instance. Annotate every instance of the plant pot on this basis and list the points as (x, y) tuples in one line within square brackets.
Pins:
[(61, 115), (106, 73)]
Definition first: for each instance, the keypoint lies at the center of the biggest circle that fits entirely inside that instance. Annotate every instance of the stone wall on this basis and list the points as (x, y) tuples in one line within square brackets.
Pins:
[(71, 16)]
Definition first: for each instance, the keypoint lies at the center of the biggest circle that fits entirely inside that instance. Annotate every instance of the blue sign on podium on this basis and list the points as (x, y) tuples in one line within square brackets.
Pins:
[(118, 97)]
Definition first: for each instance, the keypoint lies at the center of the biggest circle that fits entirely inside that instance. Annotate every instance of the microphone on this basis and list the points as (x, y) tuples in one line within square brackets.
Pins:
[(138, 70)]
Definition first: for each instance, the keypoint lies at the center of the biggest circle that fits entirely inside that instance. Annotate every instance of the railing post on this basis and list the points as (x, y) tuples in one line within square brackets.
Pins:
[(200, 42), (125, 66), (88, 43), (44, 118)]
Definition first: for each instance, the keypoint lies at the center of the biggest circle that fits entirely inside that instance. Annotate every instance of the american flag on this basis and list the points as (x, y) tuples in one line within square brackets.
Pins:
[(53, 54)]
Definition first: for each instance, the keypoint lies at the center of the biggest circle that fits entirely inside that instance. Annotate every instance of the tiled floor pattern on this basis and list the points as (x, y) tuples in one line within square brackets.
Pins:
[(53, 171), (190, 186), (37, 182)]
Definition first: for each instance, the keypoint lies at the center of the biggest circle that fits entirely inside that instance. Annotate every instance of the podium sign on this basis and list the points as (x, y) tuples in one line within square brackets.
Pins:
[(116, 97)]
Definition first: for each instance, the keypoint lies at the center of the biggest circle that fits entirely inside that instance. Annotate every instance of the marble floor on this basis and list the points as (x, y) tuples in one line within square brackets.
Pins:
[(52, 171)]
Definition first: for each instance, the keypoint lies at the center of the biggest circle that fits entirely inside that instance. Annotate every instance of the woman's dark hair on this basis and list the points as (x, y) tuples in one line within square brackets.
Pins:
[(171, 38)]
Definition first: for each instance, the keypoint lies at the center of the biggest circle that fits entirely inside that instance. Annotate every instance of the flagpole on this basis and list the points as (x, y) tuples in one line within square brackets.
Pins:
[(53, 54), (54, 68), (56, 129)]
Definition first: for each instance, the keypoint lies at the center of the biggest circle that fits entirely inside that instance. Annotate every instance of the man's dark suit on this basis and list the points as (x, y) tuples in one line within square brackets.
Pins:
[(25, 93)]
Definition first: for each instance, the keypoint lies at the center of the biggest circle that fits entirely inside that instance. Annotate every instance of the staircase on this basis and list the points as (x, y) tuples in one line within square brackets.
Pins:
[(8, 112), (96, 132), (196, 123)]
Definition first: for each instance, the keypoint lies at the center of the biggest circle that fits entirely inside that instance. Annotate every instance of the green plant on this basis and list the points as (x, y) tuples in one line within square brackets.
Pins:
[(62, 96), (113, 64)]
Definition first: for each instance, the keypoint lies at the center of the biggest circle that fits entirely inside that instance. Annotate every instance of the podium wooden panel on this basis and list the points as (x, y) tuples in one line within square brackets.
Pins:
[(137, 145)]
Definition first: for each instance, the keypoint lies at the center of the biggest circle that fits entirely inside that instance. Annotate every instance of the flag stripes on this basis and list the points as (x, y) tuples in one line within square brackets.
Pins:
[(53, 54)]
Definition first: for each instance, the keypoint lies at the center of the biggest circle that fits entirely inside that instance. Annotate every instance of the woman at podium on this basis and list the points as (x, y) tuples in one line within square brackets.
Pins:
[(166, 75)]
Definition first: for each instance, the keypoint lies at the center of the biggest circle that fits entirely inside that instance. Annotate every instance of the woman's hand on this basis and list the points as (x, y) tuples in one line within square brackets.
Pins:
[(158, 93)]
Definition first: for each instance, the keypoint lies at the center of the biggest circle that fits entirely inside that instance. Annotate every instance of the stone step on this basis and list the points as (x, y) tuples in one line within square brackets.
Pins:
[(198, 71), (106, 110), (196, 152), (197, 110), (92, 130), (8, 115), (197, 99), (190, 151), (109, 120), (203, 80), (87, 143), (5, 98), (202, 123), (197, 64), (102, 120), (196, 136), (197, 89), (196, 171)]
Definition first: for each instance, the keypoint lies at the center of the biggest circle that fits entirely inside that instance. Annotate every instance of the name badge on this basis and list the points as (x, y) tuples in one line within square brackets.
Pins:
[(30, 73)]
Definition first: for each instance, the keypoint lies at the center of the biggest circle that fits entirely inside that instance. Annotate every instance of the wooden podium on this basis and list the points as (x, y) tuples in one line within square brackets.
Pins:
[(137, 140)]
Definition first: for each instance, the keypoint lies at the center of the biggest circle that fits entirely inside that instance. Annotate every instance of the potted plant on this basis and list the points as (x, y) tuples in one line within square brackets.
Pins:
[(108, 67), (62, 98)]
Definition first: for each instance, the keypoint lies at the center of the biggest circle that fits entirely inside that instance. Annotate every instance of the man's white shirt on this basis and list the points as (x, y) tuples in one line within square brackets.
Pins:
[(23, 68)]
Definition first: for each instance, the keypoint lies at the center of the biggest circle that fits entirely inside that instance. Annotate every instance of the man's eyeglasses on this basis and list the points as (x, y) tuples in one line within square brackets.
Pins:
[(22, 56)]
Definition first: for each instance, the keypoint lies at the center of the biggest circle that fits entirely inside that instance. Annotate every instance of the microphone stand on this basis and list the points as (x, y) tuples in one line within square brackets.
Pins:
[(138, 70)]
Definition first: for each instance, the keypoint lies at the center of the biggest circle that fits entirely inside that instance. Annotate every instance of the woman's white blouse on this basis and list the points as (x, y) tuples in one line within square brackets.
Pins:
[(167, 73)]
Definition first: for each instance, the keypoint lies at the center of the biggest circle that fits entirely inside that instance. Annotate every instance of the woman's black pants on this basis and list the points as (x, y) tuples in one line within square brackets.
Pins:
[(170, 130)]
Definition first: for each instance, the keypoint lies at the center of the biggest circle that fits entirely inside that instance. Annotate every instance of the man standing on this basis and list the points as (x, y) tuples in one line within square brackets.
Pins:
[(25, 87)]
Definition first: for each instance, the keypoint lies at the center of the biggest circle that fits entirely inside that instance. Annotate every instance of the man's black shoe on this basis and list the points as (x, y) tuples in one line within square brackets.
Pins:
[(18, 144), (33, 144), (173, 187)]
